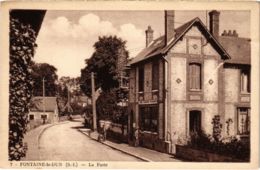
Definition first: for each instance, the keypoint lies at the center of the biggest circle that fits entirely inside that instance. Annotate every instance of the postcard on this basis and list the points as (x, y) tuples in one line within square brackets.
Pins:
[(133, 84)]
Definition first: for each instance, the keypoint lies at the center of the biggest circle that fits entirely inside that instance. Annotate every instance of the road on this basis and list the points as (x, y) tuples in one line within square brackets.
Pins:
[(64, 142)]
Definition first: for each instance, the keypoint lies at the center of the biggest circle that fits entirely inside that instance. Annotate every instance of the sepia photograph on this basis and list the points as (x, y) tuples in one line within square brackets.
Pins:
[(166, 86)]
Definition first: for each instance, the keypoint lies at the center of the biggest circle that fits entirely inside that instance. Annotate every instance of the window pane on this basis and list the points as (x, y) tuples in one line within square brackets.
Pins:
[(245, 81), (141, 79), (195, 76), (155, 75), (149, 118), (243, 121), (31, 117), (154, 118)]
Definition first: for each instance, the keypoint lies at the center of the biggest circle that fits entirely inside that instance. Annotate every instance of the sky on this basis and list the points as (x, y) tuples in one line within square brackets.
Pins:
[(66, 38)]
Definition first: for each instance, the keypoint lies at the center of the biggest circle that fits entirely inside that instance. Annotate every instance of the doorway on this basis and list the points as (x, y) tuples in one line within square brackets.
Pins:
[(195, 121)]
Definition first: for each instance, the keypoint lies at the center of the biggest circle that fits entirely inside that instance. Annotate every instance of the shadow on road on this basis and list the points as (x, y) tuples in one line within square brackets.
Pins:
[(78, 127), (75, 120)]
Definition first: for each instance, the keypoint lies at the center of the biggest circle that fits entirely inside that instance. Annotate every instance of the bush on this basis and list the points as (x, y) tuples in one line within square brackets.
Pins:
[(230, 146), (22, 44)]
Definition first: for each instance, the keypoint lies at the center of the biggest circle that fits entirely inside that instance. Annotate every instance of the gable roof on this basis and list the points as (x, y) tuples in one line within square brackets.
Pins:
[(37, 104), (158, 46)]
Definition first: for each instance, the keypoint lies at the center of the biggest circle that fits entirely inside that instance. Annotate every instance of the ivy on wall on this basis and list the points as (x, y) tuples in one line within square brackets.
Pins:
[(22, 45)]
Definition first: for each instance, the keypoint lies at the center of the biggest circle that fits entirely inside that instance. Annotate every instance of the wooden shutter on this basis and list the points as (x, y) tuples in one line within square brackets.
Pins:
[(141, 78), (195, 76), (155, 75)]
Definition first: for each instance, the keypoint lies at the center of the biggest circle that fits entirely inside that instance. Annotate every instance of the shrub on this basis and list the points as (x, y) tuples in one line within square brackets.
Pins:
[(22, 44), (230, 146), (217, 127)]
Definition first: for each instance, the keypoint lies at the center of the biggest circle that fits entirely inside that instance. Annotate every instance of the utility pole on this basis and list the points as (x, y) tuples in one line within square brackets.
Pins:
[(93, 101), (207, 19), (43, 93)]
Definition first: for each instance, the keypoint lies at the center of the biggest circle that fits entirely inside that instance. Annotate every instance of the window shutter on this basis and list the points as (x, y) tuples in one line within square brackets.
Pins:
[(195, 76)]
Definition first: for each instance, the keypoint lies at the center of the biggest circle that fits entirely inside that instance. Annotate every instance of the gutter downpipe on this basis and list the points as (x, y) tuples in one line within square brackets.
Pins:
[(167, 133)]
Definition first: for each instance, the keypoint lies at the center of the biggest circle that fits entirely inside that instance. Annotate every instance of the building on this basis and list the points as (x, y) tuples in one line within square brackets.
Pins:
[(43, 110), (185, 78)]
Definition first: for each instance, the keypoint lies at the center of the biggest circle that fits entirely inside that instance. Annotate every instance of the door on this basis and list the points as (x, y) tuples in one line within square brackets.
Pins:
[(195, 121)]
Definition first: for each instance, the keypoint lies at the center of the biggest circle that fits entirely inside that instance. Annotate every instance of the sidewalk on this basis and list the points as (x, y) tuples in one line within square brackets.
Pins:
[(32, 138), (144, 154)]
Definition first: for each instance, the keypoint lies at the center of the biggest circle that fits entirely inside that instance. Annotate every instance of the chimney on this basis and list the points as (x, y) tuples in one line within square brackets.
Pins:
[(224, 33), (214, 23), (235, 34), (230, 33), (169, 26), (149, 35)]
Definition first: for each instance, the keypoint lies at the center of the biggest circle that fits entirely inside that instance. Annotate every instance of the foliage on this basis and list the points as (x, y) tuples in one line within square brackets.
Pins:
[(107, 62), (217, 127), (72, 83), (71, 86), (230, 146), (48, 72), (106, 103), (228, 122), (108, 108), (22, 44), (104, 63)]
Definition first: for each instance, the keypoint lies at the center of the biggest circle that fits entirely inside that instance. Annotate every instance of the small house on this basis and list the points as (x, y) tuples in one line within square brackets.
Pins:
[(43, 110)]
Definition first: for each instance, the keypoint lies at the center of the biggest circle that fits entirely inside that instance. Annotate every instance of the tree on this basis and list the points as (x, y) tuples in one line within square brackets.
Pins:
[(71, 86), (72, 83), (22, 45), (108, 63), (47, 72), (104, 62)]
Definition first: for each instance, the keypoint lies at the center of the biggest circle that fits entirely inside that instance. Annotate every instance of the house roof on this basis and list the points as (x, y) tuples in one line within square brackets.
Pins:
[(158, 47), (37, 104), (238, 48)]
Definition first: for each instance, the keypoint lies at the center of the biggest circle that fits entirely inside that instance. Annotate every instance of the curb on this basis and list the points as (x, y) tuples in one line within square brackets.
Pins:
[(121, 150)]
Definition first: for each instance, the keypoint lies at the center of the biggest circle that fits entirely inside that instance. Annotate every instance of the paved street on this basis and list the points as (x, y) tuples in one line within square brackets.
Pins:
[(65, 142)]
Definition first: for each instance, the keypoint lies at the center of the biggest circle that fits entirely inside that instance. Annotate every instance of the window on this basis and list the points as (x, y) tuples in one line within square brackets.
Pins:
[(141, 79), (195, 76), (243, 121), (31, 117), (149, 118), (43, 116), (245, 81), (155, 75)]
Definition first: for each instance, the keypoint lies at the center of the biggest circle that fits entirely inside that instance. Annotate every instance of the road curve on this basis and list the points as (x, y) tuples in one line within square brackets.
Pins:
[(64, 142)]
